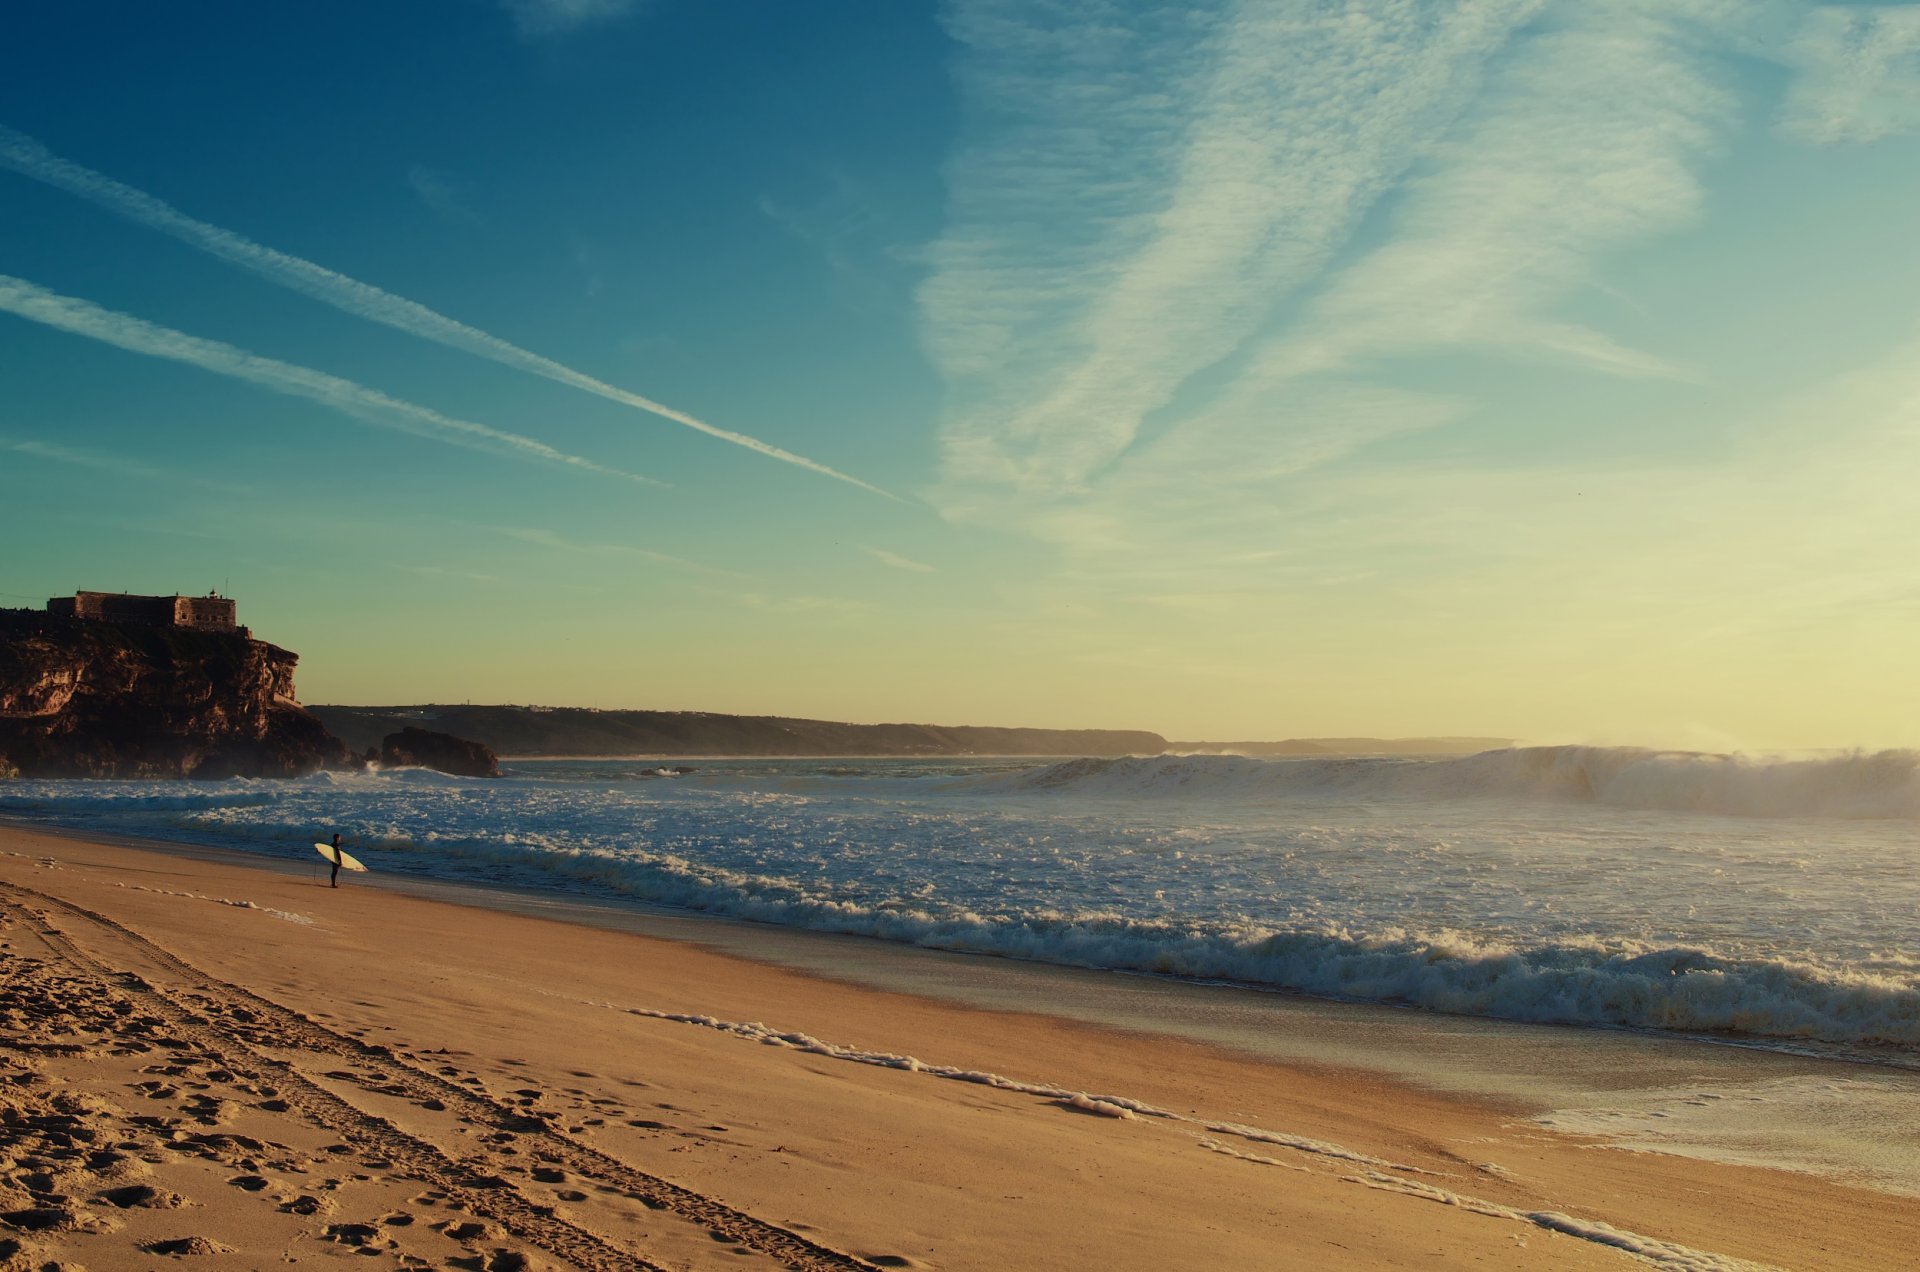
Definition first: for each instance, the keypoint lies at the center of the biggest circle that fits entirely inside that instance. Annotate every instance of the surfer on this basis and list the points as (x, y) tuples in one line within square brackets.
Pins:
[(336, 859)]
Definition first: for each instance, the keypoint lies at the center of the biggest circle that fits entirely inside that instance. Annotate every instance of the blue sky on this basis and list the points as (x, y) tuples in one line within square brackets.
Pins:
[(1234, 370)]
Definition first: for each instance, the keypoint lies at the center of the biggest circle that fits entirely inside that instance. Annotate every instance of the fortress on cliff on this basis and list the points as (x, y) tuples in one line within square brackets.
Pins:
[(209, 613)]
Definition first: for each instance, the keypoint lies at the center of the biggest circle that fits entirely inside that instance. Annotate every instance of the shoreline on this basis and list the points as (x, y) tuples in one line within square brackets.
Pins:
[(873, 960), (1034, 1027)]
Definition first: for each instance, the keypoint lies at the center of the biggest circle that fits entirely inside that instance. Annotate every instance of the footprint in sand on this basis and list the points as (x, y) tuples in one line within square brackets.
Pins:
[(305, 1204), (43, 1219), (468, 1230), (351, 1234), (497, 1261), (186, 1245), (209, 1110), (143, 1196)]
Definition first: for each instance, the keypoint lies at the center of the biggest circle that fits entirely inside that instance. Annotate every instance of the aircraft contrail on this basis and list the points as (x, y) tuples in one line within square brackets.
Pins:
[(30, 158), (84, 318)]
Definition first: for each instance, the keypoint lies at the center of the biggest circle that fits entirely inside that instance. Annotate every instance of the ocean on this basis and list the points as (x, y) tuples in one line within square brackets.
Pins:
[(1773, 902)]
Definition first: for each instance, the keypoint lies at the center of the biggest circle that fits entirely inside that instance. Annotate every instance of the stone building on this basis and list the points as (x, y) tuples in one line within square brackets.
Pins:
[(209, 613)]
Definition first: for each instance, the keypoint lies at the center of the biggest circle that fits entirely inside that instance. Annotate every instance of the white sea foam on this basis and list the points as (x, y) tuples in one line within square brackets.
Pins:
[(1260, 1159), (1858, 1128), (1665, 1254), (1579, 980), (287, 916), (1118, 1106), (1366, 879), (1114, 1106)]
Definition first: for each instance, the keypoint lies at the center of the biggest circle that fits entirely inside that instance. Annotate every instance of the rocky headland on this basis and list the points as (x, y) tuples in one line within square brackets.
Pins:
[(87, 698)]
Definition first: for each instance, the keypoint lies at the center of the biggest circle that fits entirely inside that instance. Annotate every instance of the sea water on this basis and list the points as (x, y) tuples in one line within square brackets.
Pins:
[(1771, 901)]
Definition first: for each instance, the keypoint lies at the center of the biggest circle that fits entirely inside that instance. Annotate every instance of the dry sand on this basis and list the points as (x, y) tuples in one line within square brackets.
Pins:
[(234, 1067)]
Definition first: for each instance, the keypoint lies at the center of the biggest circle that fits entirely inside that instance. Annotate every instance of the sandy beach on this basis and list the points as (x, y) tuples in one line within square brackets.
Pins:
[(240, 1067)]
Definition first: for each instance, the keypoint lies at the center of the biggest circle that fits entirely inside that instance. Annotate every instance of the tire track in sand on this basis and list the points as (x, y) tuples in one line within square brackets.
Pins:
[(227, 1017)]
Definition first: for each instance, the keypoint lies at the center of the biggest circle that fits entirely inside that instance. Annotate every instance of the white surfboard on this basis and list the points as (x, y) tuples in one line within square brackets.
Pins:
[(347, 860)]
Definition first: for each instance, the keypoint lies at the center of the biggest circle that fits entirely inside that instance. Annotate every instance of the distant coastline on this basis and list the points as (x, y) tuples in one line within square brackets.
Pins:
[(536, 732)]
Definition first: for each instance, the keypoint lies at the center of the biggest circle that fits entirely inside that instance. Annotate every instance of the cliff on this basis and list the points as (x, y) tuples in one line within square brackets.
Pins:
[(558, 731), (84, 698)]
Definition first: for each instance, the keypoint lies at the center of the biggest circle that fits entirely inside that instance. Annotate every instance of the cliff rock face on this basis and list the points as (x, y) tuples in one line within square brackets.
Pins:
[(82, 698), (422, 748)]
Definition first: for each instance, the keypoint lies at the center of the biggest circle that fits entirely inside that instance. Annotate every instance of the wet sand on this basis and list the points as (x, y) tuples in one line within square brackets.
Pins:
[(241, 1067)]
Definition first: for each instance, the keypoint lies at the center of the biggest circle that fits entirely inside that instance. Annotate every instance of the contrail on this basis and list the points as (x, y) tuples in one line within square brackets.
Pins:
[(30, 158), (83, 318)]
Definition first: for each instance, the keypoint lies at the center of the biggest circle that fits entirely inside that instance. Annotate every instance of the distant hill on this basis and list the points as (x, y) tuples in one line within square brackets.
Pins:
[(1350, 746), (578, 731)]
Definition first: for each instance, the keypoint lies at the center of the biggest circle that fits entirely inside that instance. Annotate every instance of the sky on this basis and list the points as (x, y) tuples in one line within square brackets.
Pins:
[(1545, 369)]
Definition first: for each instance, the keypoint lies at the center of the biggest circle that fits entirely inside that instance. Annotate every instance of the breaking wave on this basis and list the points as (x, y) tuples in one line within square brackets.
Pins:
[(1883, 784), (1577, 980), (1372, 879)]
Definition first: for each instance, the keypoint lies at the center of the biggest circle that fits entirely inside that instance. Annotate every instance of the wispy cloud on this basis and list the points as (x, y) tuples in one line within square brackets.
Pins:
[(118, 465), (27, 156), (1859, 75), (443, 572), (1217, 338), (802, 604), (441, 192), (83, 318), (536, 18), (841, 222), (897, 561), (1589, 139), (541, 537), (1209, 166)]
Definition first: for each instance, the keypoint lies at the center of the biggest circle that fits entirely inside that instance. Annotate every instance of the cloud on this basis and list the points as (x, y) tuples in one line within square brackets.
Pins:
[(1162, 418), (1138, 192), (551, 539), (535, 18), (1859, 77), (1589, 139), (443, 572), (895, 560), (801, 604), (115, 464), (440, 191), (83, 318), (25, 155), (841, 222)]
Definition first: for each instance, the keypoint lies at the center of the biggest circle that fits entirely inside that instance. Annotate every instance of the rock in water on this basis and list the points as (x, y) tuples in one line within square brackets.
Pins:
[(423, 748), (88, 698)]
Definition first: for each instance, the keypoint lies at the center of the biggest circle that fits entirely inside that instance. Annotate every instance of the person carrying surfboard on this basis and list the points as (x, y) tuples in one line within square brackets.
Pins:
[(339, 858)]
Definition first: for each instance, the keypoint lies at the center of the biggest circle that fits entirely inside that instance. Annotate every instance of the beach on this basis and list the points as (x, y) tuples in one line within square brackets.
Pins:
[(240, 1064)]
